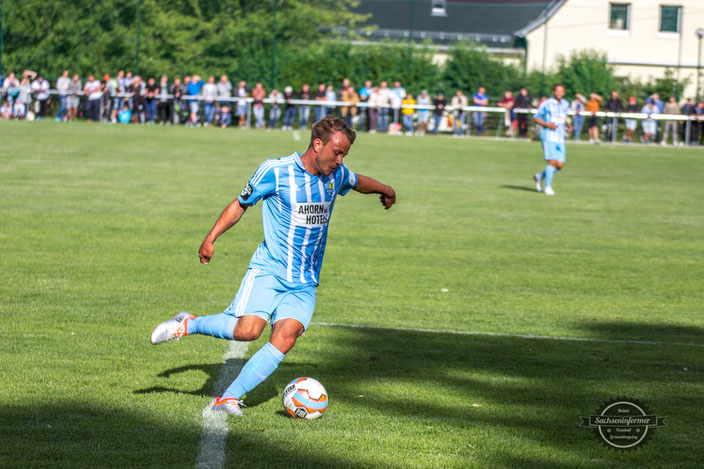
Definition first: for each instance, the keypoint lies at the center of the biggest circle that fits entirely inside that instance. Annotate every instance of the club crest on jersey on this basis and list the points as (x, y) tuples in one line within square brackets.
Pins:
[(330, 187)]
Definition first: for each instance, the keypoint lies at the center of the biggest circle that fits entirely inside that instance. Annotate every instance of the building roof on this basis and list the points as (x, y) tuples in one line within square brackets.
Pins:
[(493, 23)]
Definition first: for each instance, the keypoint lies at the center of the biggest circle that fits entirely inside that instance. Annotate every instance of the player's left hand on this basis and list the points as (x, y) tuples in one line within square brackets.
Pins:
[(388, 199)]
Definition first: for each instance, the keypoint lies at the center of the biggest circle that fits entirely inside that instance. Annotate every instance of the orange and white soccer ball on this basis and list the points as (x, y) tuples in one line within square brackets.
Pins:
[(305, 398)]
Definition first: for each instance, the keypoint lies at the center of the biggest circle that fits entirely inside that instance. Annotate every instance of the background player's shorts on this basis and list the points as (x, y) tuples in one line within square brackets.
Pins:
[(554, 151), (630, 124), (194, 106), (270, 298)]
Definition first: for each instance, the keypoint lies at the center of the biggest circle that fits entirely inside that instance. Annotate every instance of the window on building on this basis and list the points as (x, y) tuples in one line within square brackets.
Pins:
[(620, 16), (438, 8), (670, 19)]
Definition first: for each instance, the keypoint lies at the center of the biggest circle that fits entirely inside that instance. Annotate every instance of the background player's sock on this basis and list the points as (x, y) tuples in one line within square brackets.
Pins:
[(549, 173), (257, 369), (220, 325)]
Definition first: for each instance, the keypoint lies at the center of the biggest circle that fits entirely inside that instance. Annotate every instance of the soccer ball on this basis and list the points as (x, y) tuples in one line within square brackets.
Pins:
[(305, 398)]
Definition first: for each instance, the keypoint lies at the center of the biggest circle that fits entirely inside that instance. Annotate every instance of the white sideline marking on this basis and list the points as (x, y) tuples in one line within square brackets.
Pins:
[(212, 440), (507, 334)]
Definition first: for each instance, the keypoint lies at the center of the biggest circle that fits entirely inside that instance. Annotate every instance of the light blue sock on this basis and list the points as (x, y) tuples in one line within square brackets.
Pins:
[(549, 173), (220, 325), (257, 369)]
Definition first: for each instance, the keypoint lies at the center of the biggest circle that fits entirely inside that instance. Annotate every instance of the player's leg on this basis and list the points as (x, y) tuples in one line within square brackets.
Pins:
[(289, 321)]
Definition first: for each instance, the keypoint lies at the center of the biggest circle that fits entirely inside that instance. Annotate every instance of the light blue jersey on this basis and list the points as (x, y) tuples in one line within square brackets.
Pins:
[(553, 111), (296, 213)]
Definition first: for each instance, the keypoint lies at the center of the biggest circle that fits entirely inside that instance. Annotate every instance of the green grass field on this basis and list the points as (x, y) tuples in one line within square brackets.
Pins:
[(100, 227)]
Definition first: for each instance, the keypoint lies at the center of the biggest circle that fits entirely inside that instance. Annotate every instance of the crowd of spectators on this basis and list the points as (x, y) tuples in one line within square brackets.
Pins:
[(195, 101)]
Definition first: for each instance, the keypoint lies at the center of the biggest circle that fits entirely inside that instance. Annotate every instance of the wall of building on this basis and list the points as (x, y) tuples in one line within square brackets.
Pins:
[(640, 52)]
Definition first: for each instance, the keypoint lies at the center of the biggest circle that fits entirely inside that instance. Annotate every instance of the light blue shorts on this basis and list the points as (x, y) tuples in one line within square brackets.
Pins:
[(554, 151), (272, 299)]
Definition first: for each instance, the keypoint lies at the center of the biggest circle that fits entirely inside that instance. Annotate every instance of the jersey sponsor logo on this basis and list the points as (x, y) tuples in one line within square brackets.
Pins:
[(330, 187), (247, 191), (311, 214)]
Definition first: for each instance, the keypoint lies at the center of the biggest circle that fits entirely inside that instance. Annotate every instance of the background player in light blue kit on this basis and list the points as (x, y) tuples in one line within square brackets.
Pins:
[(299, 193), (552, 116)]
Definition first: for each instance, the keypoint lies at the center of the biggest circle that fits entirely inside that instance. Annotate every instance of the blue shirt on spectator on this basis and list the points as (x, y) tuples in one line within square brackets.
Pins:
[(194, 88), (479, 96)]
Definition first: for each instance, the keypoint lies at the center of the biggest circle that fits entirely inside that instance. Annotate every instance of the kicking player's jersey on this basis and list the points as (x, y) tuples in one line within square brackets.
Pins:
[(553, 111), (295, 215)]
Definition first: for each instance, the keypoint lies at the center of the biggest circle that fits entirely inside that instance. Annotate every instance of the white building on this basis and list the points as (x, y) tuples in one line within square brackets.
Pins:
[(641, 38)]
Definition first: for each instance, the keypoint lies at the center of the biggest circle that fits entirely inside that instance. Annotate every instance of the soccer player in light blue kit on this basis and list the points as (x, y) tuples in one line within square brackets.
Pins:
[(299, 192), (552, 116)]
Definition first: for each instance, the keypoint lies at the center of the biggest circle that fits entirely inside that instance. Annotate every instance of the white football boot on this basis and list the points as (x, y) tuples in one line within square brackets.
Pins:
[(174, 328), (538, 180), (229, 405), (549, 191)]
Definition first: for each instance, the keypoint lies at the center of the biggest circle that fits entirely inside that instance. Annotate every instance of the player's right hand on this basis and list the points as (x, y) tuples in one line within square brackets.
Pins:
[(206, 252)]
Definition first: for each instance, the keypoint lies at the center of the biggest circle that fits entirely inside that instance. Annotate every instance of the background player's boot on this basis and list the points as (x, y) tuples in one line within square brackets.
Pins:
[(538, 178), (549, 191), (172, 329), (229, 405)]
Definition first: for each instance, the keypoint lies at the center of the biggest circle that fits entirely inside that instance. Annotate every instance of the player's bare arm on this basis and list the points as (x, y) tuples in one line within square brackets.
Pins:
[(227, 219), (367, 185)]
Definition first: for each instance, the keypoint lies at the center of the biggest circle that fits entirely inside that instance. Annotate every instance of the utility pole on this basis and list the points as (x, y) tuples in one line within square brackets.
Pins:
[(410, 41), (139, 34), (273, 48), (2, 35), (700, 35)]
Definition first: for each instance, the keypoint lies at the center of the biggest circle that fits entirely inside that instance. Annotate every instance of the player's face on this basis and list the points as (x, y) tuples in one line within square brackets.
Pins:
[(330, 154), (559, 92)]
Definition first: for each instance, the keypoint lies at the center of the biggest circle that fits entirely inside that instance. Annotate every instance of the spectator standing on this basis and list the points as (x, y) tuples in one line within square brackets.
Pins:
[(164, 102), (649, 126), (210, 93), (290, 109), (176, 90), (659, 105), (696, 126), (507, 102), (152, 90), (118, 99), (612, 105), (62, 86), (73, 99), (194, 90), (9, 88), (384, 101), (106, 87), (408, 113), (577, 107), (440, 104), (349, 95), (591, 108), (423, 114), (686, 125), (330, 98), (320, 96), (258, 95), (480, 99), (631, 124), (304, 109), (524, 101), (92, 90), (40, 88), (364, 93), (671, 108), (373, 109), (459, 102), (275, 108), (398, 93), (139, 103), (224, 96), (242, 93)]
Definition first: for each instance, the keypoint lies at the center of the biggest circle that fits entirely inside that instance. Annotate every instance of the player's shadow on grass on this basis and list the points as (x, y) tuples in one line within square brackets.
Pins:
[(211, 370), (520, 188)]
